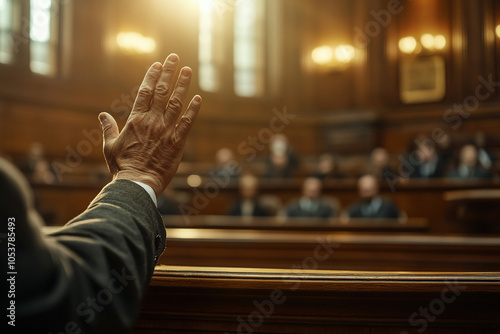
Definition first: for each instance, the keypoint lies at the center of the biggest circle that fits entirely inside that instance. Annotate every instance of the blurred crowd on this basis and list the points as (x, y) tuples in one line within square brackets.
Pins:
[(424, 158)]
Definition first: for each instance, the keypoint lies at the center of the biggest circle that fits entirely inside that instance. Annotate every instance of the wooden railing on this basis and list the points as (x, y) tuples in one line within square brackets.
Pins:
[(251, 300)]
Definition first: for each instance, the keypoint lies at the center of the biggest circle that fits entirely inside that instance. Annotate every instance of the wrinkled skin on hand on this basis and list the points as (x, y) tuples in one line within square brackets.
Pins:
[(150, 146)]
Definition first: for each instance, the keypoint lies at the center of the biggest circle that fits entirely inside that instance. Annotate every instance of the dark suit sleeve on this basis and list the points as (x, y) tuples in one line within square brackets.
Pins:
[(90, 276)]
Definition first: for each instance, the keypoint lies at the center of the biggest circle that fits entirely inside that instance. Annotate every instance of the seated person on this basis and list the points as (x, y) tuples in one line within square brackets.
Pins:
[(36, 167), (425, 160), (485, 157), (371, 204), (311, 204), (469, 166), (248, 204), (90, 275), (226, 168), (282, 161), (327, 168), (379, 163)]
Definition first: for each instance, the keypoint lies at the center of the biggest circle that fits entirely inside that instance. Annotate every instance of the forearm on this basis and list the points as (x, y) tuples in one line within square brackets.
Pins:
[(103, 259)]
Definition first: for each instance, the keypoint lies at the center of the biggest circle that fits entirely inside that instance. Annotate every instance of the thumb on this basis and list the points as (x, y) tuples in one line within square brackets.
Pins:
[(109, 127)]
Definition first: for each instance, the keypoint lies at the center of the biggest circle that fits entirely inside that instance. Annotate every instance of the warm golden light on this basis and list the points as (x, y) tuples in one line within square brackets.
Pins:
[(498, 30), (427, 41), (322, 55), (135, 42), (345, 53), (407, 44), (439, 42), (194, 180)]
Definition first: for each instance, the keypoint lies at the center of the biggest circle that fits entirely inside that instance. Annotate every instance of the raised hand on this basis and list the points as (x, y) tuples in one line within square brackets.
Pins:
[(150, 146)]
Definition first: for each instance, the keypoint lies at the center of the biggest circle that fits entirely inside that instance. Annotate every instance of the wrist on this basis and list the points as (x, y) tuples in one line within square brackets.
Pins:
[(138, 177)]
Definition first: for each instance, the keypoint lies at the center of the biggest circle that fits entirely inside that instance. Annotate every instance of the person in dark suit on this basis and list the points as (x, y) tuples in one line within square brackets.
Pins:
[(469, 166), (327, 168), (311, 204), (282, 161), (371, 204), (248, 204), (90, 276), (379, 165), (429, 164)]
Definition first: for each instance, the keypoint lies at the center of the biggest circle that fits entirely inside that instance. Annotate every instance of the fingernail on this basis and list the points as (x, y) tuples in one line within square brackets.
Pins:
[(103, 119), (197, 99), (157, 66), (173, 58), (186, 72)]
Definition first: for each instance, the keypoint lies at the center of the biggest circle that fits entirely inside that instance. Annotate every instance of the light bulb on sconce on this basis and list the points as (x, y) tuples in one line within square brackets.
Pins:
[(428, 42), (345, 53), (133, 42), (498, 31), (407, 44), (333, 60), (322, 55)]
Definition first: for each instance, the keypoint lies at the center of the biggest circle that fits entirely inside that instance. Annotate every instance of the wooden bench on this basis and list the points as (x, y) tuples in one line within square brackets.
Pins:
[(418, 198), (251, 300), (301, 224), (329, 250)]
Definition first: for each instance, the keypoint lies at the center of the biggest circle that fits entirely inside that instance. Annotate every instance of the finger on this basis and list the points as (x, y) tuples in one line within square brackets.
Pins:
[(164, 86), (109, 128), (187, 120), (174, 107), (146, 91)]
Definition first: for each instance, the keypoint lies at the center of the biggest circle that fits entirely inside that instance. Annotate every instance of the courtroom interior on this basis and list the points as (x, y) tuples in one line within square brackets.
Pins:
[(342, 176)]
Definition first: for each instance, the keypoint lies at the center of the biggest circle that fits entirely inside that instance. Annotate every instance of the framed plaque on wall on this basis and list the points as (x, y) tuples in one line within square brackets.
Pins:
[(422, 79)]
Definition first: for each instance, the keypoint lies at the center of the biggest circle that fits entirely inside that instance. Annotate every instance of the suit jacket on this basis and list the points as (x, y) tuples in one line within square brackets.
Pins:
[(320, 209), (387, 209), (476, 173), (258, 209), (438, 172), (92, 274)]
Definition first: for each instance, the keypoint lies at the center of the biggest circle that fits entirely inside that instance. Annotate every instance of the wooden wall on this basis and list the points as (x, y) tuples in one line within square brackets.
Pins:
[(346, 111)]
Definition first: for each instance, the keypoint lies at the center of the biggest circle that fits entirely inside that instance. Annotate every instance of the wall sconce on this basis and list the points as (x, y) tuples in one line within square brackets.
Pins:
[(133, 42), (498, 31), (428, 43), (333, 60)]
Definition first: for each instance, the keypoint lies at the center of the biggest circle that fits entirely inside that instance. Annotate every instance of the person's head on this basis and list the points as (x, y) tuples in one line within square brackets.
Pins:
[(326, 163), (480, 139), (311, 188), (278, 144), (223, 156), (468, 155), (379, 157), (425, 151), (368, 187), (36, 151), (249, 186), (444, 141)]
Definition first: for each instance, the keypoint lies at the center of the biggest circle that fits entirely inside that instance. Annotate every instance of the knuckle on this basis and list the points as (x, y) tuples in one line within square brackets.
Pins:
[(145, 92), (175, 103), (162, 90)]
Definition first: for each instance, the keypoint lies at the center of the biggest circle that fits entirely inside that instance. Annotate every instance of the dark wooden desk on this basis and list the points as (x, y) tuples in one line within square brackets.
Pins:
[(251, 300), (477, 210), (330, 250), (410, 225)]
